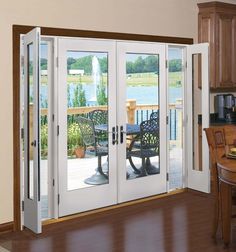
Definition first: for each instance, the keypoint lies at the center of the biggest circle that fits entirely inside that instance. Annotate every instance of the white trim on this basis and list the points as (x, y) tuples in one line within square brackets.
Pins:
[(90, 196), (150, 185), (198, 180), (32, 207)]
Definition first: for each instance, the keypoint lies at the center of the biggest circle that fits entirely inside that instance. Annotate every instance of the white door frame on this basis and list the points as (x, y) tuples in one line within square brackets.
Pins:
[(189, 179), (91, 196), (52, 151), (32, 202), (198, 179), (184, 78), (130, 189)]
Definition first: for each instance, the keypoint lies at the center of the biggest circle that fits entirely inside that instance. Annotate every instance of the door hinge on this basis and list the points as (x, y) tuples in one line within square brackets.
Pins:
[(58, 199), (57, 61), (167, 119), (22, 133), (167, 176), (53, 182), (53, 117), (22, 61), (22, 205), (57, 130), (186, 64)]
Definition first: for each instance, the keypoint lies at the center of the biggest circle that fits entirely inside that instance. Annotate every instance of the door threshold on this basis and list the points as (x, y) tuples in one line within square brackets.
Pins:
[(108, 208)]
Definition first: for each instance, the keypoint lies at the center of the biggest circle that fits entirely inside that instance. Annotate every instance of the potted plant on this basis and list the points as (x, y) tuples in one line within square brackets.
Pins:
[(75, 141)]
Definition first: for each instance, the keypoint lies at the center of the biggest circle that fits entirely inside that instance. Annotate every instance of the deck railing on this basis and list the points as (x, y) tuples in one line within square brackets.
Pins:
[(136, 113)]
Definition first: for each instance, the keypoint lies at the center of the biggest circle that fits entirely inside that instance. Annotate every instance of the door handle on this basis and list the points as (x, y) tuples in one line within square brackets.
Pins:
[(122, 132), (113, 135), (33, 143)]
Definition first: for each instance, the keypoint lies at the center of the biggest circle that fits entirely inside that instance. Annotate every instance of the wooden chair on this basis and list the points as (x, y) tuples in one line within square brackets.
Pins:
[(217, 148)]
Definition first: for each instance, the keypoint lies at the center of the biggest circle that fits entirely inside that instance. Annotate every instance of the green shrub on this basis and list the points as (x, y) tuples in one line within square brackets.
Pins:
[(74, 138), (44, 140)]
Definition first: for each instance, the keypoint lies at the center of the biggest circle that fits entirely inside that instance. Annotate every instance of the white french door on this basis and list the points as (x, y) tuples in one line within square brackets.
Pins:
[(198, 174), (124, 156), (89, 182), (142, 143), (32, 203)]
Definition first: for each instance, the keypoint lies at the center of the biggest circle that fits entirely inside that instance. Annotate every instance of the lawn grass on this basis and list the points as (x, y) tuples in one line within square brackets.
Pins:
[(137, 79)]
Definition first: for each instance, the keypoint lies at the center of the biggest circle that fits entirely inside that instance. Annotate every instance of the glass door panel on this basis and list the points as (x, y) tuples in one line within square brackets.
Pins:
[(87, 119), (176, 80), (142, 104), (142, 95), (87, 105), (32, 199), (198, 112)]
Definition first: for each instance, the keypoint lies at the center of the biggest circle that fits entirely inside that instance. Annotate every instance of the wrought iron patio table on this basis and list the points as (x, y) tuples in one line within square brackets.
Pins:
[(134, 130)]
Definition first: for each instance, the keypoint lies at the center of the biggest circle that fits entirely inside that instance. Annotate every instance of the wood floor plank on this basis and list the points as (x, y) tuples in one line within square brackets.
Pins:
[(181, 222)]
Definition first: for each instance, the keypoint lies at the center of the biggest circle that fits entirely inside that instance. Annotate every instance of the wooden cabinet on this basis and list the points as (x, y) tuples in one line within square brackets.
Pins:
[(217, 25)]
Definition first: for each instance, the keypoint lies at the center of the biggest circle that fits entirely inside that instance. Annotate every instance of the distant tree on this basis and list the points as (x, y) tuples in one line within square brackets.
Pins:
[(84, 63), (175, 65), (82, 98), (79, 99), (103, 64), (44, 64), (139, 65), (151, 64), (129, 67), (101, 95), (75, 100), (70, 61)]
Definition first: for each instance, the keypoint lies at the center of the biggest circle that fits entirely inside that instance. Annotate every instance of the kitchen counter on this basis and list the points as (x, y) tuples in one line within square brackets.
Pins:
[(214, 121)]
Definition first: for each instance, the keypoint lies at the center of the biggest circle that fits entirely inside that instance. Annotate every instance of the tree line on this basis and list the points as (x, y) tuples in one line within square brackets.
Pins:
[(148, 64)]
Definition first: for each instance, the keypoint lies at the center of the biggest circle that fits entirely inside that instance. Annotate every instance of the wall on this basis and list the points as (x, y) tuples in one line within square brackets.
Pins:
[(157, 17)]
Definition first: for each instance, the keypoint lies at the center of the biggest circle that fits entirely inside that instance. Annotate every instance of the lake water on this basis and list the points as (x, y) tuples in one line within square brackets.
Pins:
[(142, 94)]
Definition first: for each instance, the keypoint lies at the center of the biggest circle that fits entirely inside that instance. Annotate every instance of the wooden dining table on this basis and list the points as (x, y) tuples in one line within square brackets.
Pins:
[(227, 178)]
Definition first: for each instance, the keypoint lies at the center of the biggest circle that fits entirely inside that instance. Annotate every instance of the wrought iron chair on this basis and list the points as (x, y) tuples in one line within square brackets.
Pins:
[(100, 117), (154, 115), (149, 145), (86, 127)]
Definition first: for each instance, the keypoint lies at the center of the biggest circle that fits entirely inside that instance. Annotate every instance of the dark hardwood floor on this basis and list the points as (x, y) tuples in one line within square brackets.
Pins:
[(181, 222)]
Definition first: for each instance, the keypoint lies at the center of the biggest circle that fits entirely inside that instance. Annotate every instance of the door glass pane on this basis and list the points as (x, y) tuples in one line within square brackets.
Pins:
[(87, 119), (197, 112), (142, 105), (30, 106), (44, 86), (175, 110)]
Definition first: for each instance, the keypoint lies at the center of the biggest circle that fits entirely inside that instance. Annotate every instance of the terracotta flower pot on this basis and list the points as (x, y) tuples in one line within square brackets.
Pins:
[(80, 152)]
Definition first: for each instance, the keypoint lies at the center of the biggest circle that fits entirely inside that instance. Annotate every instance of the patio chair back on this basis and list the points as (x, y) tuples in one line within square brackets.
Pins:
[(154, 115), (99, 116), (86, 127), (149, 135)]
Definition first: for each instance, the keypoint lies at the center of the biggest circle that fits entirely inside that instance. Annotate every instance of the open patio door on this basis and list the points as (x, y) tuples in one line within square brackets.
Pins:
[(197, 98), (32, 205)]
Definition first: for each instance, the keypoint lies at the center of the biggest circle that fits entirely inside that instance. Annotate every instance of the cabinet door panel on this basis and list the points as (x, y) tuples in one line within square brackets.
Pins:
[(206, 34), (225, 51), (234, 51)]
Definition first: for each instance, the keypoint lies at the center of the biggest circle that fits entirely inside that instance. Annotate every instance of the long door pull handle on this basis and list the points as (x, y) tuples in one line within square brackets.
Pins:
[(121, 134), (113, 135)]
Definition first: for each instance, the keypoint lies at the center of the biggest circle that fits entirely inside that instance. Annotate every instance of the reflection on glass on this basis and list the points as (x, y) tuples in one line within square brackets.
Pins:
[(87, 119), (30, 106), (142, 92), (175, 89), (44, 86)]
